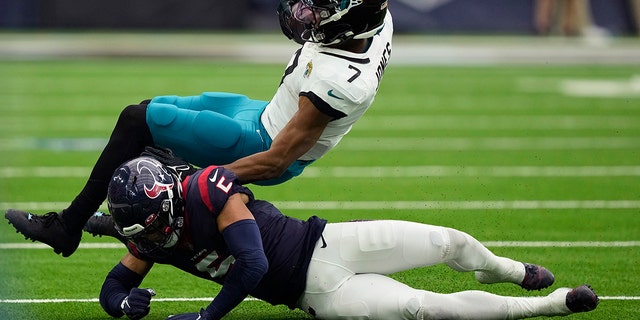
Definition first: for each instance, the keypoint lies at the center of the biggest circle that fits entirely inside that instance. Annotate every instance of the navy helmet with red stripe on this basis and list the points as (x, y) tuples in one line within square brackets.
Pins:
[(144, 200)]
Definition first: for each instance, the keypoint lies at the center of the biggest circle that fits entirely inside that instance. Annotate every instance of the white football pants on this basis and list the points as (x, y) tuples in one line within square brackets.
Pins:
[(346, 277)]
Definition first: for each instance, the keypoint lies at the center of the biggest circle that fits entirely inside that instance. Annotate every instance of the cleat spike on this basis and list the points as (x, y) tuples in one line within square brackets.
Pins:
[(101, 224), (536, 277)]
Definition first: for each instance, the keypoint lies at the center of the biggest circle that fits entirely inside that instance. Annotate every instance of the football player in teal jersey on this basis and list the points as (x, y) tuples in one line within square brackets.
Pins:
[(328, 84)]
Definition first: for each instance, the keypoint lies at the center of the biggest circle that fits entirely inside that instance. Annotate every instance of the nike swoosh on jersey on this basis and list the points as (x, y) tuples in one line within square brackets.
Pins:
[(215, 176), (331, 94)]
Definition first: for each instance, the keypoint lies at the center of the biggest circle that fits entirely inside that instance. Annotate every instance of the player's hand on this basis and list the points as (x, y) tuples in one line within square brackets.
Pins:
[(136, 304), (179, 166), (202, 315)]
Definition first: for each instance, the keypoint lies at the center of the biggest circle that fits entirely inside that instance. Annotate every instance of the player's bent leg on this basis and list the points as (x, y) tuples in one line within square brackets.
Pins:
[(381, 246), (226, 103), (387, 246), (374, 296), (363, 296), (475, 304), (63, 231), (468, 254), (203, 137), (391, 246)]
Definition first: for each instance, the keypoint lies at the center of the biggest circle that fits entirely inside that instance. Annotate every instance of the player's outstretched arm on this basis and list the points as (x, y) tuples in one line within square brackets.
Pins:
[(296, 138), (120, 294), (242, 236)]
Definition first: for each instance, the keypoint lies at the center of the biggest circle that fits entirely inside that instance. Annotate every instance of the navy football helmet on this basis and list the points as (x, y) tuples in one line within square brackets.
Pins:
[(144, 200), (331, 21)]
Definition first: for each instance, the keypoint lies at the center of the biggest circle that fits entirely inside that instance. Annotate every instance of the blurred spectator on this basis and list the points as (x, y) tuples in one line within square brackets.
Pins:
[(634, 5), (564, 17)]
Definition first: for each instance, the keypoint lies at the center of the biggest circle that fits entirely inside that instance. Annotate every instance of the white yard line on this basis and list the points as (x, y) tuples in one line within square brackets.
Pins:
[(512, 244), (615, 120), (380, 143), (380, 171), (458, 205), (488, 143), (95, 300), (468, 171), (400, 205)]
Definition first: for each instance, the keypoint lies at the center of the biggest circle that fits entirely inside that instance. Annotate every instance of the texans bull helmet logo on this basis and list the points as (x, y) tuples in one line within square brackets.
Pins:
[(155, 190)]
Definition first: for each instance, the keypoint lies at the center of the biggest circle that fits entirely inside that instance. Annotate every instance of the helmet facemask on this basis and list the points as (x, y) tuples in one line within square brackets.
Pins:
[(160, 232), (328, 22)]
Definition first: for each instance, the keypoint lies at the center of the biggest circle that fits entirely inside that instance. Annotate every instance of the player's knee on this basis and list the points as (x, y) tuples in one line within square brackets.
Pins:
[(171, 99), (161, 114), (409, 305), (449, 240), (214, 100), (389, 304), (133, 117), (216, 129), (412, 308), (459, 239)]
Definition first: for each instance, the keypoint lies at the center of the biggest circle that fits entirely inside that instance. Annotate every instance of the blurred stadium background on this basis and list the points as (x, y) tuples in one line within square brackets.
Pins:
[(528, 141), (428, 16)]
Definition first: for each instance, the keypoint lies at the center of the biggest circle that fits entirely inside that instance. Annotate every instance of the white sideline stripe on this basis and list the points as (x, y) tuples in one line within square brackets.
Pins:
[(563, 244), (95, 300), (470, 171), (458, 205), (380, 171), (482, 122), (489, 143), (522, 244), (387, 122), (45, 172), (110, 245), (399, 205)]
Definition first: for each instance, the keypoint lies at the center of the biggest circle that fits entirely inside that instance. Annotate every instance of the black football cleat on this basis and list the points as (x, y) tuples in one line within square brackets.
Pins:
[(49, 229), (536, 277), (101, 224), (582, 299)]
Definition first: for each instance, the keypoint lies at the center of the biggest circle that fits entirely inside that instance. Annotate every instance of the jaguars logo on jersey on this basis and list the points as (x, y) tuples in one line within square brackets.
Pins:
[(307, 71)]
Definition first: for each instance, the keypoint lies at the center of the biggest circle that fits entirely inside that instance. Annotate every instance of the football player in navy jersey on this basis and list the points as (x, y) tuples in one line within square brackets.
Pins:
[(211, 226), (330, 81)]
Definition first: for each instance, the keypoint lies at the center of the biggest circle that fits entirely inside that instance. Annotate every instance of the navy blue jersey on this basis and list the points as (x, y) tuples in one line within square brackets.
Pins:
[(288, 242)]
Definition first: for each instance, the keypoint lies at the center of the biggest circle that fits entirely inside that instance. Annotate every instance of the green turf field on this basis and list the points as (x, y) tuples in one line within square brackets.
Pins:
[(541, 162)]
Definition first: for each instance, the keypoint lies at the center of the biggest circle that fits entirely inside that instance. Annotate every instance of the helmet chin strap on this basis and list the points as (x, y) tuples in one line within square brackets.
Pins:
[(175, 228), (175, 223), (132, 230)]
